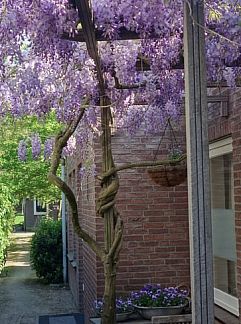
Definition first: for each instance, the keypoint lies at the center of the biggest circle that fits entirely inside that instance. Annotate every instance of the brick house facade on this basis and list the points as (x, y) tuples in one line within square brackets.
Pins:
[(156, 242)]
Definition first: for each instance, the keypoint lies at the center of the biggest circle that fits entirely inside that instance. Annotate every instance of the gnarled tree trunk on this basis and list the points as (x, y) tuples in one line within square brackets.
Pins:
[(113, 226), (110, 291)]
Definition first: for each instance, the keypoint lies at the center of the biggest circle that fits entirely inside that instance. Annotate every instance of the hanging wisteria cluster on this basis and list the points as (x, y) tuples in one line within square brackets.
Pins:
[(48, 148), (36, 146), (22, 150), (83, 138), (34, 143), (41, 71)]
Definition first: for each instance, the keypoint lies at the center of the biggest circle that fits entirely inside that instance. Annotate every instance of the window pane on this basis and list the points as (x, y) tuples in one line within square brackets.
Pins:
[(224, 242)]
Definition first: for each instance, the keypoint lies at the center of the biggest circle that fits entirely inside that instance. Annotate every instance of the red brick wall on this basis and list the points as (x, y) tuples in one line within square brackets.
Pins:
[(219, 126), (236, 136), (155, 247), (82, 280)]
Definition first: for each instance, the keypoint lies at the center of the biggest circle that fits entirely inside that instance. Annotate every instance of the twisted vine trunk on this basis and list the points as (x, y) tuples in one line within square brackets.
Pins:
[(113, 227), (109, 294)]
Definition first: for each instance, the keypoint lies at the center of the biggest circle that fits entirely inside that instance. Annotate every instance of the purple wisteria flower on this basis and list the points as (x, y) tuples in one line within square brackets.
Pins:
[(155, 296), (41, 71), (48, 148), (36, 146), (22, 151), (70, 148)]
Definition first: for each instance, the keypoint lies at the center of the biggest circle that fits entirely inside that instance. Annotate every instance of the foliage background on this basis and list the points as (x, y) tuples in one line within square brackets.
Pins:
[(7, 203), (26, 179)]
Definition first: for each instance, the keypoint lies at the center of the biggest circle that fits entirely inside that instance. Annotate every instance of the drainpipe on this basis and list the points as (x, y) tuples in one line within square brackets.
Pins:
[(63, 214)]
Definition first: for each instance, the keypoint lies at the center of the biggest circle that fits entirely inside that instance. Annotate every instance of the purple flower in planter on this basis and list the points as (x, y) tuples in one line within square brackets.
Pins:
[(123, 305), (98, 306), (155, 296)]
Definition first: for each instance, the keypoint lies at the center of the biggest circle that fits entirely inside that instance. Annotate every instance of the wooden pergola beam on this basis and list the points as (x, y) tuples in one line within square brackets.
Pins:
[(123, 34), (217, 98), (89, 37), (143, 65), (222, 99)]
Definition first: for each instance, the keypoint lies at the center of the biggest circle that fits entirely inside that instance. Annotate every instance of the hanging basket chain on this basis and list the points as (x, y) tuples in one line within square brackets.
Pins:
[(168, 175), (173, 136), (162, 136)]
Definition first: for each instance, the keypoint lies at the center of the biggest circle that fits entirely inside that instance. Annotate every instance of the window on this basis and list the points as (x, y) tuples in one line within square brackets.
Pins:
[(39, 208), (223, 225)]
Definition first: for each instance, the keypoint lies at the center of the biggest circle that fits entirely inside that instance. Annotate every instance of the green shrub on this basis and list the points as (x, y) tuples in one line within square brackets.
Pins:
[(6, 221), (46, 251)]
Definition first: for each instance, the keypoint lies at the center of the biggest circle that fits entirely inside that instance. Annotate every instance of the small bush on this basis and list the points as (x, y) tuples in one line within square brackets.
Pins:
[(46, 251)]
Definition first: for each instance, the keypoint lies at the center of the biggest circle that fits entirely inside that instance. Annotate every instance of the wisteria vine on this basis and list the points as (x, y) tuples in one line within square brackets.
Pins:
[(41, 71)]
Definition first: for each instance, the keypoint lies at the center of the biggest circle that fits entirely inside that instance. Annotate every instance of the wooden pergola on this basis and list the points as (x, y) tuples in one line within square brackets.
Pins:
[(196, 102)]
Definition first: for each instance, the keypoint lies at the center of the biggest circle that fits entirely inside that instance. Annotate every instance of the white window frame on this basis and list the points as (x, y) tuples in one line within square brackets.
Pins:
[(226, 301), (36, 213), (222, 299), (221, 147)]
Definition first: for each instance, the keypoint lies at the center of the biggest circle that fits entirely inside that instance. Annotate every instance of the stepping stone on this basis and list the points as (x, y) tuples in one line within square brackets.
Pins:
[(62, 319)]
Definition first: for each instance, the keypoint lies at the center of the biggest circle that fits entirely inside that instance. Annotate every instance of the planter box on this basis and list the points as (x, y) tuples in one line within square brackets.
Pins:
[(137, 321), (150, 312), (172, 319)]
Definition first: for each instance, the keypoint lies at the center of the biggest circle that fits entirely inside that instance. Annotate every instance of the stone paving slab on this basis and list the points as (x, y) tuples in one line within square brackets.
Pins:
[(23, 297), (62, 319)]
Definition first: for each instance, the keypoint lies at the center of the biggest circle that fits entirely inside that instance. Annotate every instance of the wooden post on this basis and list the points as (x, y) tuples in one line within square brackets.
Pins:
[(200, 229)]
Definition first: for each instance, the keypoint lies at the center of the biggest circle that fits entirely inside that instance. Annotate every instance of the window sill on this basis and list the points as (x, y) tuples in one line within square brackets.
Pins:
[(225, 317)]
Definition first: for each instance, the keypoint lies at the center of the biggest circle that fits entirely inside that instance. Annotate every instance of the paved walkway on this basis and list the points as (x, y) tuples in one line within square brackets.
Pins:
[(22, 296)]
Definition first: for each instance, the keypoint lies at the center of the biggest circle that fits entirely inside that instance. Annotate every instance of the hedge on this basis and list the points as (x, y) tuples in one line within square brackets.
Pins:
[(7, 214), (46, 251)]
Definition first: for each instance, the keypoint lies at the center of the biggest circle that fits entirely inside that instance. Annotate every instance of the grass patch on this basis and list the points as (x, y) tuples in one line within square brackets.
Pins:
[(19, 219)]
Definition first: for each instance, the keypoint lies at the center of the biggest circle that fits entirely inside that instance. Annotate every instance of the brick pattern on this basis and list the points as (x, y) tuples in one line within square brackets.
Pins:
[(236, 136), (219, 126), (155, 247), (155, 218), (82, 280)]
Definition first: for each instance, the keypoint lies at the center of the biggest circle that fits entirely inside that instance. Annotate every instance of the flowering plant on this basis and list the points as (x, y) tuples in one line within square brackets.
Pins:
[(155, 296), (123, 305), (175, 153)]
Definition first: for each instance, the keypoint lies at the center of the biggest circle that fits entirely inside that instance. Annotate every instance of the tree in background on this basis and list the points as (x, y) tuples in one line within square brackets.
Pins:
[(28, 179), (7, 214)]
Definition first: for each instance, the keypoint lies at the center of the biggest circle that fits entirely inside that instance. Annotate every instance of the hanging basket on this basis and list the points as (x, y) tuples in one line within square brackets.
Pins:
[(169, 175)]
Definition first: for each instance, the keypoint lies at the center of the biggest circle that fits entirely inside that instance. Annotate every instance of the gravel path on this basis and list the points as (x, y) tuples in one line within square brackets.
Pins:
[(22, 296)]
